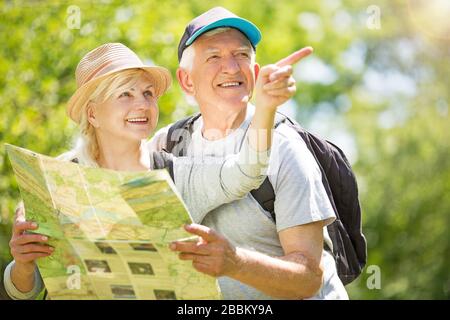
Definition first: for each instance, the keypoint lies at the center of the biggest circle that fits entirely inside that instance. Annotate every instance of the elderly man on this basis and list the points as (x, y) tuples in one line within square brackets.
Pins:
[(253, 256)]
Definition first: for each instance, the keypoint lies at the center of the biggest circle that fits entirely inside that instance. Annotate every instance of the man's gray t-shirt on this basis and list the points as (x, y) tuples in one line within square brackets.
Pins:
[(300, 199)]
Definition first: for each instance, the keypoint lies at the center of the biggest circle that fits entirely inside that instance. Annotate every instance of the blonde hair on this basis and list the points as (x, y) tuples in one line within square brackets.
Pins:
[(86, 150)]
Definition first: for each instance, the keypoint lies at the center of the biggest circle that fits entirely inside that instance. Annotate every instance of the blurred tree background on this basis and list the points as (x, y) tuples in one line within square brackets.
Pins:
[(377, 85)]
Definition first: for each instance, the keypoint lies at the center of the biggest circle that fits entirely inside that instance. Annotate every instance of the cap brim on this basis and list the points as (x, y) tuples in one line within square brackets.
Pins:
[(246, 27), (79, 98)]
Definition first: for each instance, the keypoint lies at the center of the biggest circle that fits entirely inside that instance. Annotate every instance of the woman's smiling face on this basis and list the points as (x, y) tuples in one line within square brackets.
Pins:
[(130, 112)]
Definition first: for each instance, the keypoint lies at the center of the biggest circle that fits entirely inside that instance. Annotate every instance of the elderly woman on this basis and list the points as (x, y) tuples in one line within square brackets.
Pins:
[(116, 109)]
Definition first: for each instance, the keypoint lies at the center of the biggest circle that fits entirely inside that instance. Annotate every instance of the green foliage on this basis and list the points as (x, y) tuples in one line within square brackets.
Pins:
[(391, 97)]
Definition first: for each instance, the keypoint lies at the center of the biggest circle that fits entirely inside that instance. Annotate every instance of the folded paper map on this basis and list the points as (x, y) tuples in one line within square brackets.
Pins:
[(110, 230)]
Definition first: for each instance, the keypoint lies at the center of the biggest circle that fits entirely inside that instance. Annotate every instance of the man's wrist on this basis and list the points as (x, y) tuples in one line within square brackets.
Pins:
[(266, 109), (238, 261)]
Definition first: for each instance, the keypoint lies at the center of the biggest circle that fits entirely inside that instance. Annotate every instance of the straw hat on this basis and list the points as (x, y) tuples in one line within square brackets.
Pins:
[(109, 58)]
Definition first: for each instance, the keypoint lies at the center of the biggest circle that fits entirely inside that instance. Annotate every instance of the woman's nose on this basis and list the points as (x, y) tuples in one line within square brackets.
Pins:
[(144, 103)]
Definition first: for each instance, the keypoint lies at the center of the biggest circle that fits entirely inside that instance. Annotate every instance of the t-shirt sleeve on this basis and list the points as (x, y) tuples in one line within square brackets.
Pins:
[(14, 293), (300, 195), (208, 182)]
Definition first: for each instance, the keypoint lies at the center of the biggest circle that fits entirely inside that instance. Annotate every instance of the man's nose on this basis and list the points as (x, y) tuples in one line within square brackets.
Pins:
[(230, 65)]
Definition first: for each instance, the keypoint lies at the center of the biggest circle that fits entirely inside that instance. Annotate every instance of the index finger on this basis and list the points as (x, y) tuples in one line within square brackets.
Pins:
[(206, 233), (189, 247), (295, 57)]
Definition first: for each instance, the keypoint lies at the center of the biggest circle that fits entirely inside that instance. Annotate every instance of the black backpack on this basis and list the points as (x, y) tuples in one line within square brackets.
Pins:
[(349, 243)]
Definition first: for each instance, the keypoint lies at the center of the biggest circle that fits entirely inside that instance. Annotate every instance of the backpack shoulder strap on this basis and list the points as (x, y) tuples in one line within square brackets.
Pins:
[(265, 195), (282, 118), (162, 160), (178, 133)]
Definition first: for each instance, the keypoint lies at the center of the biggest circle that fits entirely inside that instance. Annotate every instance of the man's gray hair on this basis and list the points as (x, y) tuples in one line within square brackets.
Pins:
[(187, 58)]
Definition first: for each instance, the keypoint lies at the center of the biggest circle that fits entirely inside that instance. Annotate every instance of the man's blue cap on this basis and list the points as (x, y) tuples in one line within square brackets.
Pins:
[(217, 17)]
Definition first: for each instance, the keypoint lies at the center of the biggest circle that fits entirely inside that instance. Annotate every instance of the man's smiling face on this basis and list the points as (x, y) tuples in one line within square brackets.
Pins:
[(223, 71)]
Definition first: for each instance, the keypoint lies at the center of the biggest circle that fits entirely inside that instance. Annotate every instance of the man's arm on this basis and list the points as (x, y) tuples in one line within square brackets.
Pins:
[(274, 86), (207, 183), (296, 275), (233, 177)]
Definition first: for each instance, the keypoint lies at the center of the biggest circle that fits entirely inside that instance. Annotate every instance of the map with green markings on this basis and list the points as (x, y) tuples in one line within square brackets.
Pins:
[(110, 230)]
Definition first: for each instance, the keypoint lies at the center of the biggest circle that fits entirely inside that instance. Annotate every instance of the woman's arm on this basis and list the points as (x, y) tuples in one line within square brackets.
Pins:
[(22, 279), (34, 281)]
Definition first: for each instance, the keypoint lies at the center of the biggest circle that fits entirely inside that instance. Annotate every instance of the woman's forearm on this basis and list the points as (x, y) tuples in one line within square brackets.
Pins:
[(23, 277), (17, 282)]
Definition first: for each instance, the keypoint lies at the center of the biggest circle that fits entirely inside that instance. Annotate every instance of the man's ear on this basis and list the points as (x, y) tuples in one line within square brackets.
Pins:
[(185, 81), (91, 114), (256, 68)]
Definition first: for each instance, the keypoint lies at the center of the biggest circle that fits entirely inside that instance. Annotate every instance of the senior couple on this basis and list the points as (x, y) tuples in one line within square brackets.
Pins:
[(253, 256)]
